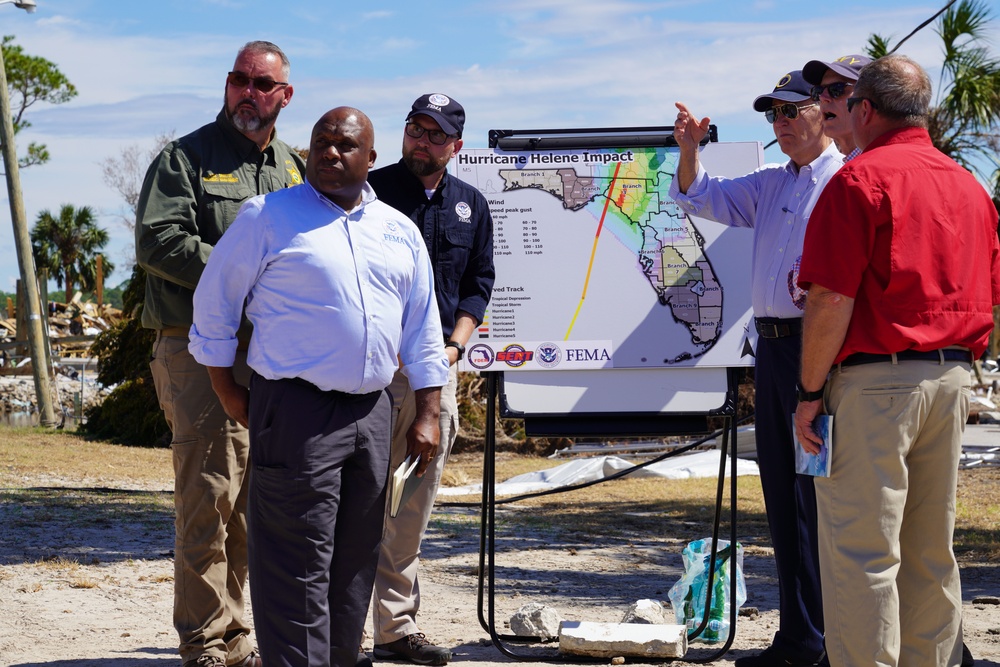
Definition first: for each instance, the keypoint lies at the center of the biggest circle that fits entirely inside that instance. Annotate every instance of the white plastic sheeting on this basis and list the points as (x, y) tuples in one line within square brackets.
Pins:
[(698, 464)]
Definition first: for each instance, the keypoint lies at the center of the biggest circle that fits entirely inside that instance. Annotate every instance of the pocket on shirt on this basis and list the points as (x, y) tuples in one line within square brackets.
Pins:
[(223, 201), (453, 255)]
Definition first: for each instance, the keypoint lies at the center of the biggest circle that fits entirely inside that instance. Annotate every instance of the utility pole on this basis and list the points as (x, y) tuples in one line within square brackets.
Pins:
[(25, 261)]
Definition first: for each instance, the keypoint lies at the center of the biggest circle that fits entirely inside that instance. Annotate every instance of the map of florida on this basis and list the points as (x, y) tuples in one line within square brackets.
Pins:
[(629, 199)]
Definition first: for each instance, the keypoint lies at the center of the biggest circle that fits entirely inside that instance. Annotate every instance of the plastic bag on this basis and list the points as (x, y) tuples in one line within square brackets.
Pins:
[(687, 596)]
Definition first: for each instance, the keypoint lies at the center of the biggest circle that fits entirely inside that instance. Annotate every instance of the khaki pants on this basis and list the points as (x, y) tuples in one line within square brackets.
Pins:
[(397, 590), (210, 495), (886, 514)]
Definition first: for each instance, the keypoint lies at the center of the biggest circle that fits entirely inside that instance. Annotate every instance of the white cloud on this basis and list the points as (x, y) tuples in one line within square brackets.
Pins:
[(527, 64)]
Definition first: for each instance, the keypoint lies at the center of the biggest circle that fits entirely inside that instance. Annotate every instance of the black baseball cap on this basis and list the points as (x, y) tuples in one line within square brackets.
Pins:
[(790, 88), (448, 113), (846, 66)]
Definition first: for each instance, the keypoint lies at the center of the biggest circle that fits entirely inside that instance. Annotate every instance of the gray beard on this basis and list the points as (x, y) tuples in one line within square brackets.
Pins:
[(254, 123)]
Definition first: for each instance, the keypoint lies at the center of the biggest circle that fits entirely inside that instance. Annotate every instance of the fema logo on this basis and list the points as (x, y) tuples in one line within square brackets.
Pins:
[(515, 355), (390, 226), (480, 356), (463, 210), (548, 355), (439, 100)]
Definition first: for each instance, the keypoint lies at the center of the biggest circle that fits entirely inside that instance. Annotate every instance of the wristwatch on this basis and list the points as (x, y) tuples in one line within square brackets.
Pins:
[(806, 396), (458, 346)]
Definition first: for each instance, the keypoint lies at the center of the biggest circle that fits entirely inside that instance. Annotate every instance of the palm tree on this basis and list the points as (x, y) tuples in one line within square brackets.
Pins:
[(964, 121), (68, 246)]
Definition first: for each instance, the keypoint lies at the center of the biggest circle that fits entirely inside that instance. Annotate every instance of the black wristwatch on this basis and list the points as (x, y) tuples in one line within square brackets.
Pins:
[(807, 396), (458, 346)]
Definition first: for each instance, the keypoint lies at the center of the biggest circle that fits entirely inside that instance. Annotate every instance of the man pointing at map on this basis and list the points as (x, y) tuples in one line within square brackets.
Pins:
[(775, 200)]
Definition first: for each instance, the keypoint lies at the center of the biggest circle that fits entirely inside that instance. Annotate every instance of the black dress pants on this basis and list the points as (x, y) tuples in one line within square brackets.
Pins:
[(790, 499), (319, 465)]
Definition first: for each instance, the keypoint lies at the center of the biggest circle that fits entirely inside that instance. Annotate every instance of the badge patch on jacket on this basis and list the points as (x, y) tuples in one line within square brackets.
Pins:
[(293, 172), (464, 211)]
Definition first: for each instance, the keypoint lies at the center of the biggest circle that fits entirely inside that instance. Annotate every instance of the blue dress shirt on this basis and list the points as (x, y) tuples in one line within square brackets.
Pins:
[(336, 297), (775, 200)]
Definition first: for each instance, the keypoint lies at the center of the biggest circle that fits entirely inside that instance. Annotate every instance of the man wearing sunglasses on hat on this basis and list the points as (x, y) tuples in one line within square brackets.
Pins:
[(190, 196), (776, 201), (831, 86), (902, 265), (454, 219)]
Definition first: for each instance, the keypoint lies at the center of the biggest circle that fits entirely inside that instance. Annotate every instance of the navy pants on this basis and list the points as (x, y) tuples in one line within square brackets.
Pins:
[(320, 461), (790, 499)]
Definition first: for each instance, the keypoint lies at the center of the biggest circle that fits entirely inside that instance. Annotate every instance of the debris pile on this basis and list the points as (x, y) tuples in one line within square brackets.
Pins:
[(72, 328)]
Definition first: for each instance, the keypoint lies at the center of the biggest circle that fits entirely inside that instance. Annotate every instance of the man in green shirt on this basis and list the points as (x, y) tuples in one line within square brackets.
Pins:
[(190, 195)]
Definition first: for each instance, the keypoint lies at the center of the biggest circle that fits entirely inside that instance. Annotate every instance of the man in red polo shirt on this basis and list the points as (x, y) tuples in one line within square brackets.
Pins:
[(902, 265)]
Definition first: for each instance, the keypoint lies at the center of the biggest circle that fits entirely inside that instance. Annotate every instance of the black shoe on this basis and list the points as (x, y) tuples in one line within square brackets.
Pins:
[(414, 648), (773, 657), (967, 659), (363, 659)]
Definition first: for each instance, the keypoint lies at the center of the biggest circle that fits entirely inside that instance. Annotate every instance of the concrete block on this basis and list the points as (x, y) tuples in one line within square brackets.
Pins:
[(536, 620), (630, 640), (648, 611)]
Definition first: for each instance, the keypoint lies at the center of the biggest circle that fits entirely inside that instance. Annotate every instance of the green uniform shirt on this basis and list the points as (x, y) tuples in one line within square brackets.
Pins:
[(190, 196)]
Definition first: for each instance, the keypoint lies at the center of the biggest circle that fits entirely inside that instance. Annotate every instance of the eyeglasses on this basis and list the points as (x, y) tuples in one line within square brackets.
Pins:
[(854, 101), (834, 90), (436, 137), (260, 83), (788, 110)]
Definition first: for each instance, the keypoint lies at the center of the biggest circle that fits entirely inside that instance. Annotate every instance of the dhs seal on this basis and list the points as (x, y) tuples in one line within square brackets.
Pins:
[(548, 355), (463, 211), (439, 100)]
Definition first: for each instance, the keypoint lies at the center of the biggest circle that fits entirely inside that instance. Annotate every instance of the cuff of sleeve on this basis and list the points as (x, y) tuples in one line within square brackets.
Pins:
[(208, 352), (424, 374)]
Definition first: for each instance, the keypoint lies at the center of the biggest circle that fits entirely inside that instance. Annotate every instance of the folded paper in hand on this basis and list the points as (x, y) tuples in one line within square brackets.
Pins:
[(817, 465), (402, 484)]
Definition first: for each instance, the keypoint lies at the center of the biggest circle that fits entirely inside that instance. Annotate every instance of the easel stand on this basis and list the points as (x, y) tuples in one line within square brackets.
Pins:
[(610, 426)]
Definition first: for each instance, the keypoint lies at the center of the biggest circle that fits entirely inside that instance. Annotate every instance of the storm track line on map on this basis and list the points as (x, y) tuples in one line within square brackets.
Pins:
[(593, 250)]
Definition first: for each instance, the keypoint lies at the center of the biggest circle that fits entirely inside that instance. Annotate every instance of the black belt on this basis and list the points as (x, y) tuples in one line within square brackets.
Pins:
[(773, 327), (909, 355)]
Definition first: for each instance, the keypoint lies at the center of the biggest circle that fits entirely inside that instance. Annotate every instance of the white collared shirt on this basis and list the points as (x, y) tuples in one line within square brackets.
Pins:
[(336, 297), (775, 200)]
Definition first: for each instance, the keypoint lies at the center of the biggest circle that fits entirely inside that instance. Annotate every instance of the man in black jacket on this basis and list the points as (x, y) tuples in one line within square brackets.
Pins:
[(454, 219)]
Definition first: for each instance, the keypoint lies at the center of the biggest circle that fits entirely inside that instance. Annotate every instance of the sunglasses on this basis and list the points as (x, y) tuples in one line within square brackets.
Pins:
[(260, 83), (436, 137), (788, 110), (854, 101), (834, 90)]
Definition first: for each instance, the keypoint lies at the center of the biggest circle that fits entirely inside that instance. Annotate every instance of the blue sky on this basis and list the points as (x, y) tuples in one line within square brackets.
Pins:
[(148, 68)]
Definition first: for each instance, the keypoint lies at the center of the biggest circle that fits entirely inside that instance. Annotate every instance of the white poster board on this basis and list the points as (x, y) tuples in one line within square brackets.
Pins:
[(607, 297)]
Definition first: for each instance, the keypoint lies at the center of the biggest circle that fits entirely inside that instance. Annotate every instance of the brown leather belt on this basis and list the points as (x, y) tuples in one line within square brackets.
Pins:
[(182, 332)]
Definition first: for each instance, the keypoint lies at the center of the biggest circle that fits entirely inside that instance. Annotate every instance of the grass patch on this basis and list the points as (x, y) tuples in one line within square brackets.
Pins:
[(684, 509), (33, 462)]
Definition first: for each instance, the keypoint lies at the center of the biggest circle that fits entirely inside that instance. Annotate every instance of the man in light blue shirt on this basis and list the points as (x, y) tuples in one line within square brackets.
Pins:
[(775, 201), (339, 288)]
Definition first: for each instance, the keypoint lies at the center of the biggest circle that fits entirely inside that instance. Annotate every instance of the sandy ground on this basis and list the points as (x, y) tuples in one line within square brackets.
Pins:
[(98, 593)]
